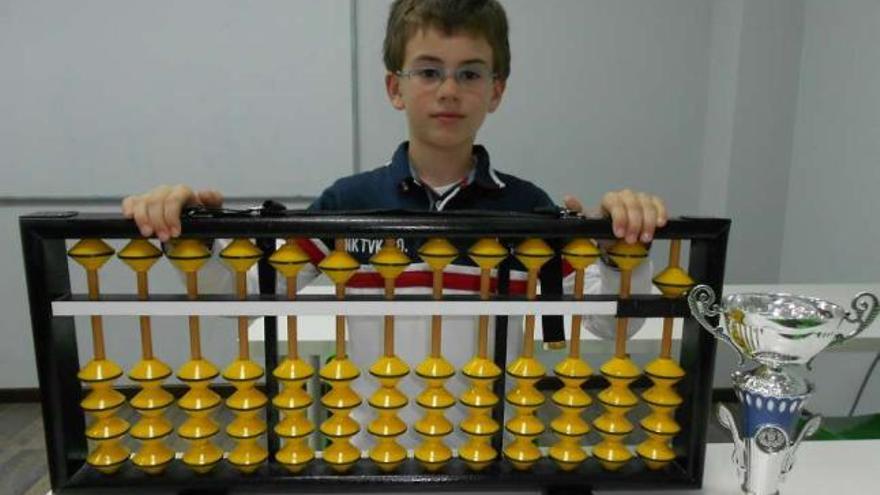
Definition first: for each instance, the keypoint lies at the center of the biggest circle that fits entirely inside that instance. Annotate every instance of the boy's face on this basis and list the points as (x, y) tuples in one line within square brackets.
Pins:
[(445, 114)]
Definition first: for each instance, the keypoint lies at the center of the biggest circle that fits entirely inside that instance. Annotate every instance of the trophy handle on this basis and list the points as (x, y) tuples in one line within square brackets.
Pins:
[(809, 429), (701, 300), (725, 417), (865, 309)]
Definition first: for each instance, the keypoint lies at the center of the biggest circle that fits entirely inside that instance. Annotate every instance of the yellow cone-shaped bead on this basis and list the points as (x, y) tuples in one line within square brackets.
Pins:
[(627, 256), (673, 282), (580, 253), (241, 254), (339, 266), (99, 370), (533, 253), (188, 255), (91, 253), (140, 255), (487, 253), (289, 259), (390, 261), (438, 253)]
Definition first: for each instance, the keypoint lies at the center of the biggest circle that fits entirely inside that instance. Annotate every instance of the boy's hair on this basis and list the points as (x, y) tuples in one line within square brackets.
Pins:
[(484, 18)]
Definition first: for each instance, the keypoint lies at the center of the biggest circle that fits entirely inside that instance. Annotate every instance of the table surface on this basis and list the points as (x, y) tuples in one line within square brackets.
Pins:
[(845, 466)]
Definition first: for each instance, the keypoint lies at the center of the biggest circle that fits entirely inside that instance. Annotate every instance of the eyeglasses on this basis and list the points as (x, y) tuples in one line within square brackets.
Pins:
[(468, 77)]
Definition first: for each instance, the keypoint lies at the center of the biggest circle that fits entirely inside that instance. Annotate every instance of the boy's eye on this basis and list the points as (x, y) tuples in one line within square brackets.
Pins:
[(429, 73), (470, 75)]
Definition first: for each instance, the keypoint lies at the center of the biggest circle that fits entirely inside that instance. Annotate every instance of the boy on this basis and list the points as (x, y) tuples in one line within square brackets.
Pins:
[(447, 66)]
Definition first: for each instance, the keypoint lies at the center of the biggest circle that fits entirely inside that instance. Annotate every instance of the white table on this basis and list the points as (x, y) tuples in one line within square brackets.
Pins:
[(829, 467)]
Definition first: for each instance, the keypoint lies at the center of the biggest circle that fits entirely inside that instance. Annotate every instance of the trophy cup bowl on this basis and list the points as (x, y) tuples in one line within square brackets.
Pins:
[(776, 330)]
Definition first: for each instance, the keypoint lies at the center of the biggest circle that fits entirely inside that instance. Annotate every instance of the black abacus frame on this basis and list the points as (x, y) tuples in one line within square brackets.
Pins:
[(43, 243)]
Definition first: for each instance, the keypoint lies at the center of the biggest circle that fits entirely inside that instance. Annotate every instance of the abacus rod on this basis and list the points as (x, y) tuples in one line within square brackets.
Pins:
[(666, 340), (340, 320), (146, 327), (292, 351), (483, 335), (674, 252), (436, 321), (389, 320), (195, 341), (529, 338), (620, 336), (241, 291), (575, 349), (97, 322)]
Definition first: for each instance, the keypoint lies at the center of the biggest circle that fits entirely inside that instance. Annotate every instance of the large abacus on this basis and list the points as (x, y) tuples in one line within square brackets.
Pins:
[(271, 428)]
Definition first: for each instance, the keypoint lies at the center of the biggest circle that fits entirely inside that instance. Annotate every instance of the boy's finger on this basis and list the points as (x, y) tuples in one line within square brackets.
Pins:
[(172, 216), (139, 211), (572, 203), (649, 219), (662, 215), (156, 215), (127, 211), (613, 206), (633, 218), (211, 198)]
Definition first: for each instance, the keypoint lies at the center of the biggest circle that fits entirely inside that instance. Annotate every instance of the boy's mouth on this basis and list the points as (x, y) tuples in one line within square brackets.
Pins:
[(447, 117)]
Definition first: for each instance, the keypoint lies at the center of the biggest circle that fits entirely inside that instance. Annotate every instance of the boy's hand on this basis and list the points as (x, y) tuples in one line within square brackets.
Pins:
[(634, 215), (158, 211)]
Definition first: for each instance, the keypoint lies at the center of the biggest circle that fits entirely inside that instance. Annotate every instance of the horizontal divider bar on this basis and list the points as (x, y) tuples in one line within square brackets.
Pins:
[(329, 307)]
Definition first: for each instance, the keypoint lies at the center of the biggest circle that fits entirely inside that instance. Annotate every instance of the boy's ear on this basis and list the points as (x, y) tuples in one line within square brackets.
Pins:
[(392, 86), (498, 88)]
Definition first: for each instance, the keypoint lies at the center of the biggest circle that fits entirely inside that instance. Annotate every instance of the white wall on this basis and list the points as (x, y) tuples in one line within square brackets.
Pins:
[(831, 216), (104, 97)]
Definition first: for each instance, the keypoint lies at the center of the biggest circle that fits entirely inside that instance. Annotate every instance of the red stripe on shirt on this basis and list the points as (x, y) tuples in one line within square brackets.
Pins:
[(458, 281), (313, 251)]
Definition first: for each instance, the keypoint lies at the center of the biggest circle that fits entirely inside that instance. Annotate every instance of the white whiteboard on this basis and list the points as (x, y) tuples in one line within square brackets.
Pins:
[(108, 97)]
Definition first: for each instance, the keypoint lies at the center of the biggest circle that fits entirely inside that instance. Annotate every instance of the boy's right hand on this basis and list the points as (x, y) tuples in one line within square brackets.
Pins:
[(158, 211)]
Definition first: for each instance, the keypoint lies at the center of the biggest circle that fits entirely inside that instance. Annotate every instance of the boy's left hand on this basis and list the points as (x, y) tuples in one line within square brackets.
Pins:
[(634, 215)]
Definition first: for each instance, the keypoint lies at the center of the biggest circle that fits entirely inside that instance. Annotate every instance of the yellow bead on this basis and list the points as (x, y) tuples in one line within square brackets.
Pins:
[(487, 253), (533, 253), (390, 261), (339, 266), (289, 259), (91, 253), (580, 253), (188, 255), (241, 254), (627, 256), (673, 282), (140, 255), (438, 253)]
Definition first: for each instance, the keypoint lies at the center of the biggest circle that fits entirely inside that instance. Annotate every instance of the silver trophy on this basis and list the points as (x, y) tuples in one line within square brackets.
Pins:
[(777, 331)]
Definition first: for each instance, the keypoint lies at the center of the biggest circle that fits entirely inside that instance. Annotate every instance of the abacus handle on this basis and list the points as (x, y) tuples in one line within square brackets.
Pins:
[(701, 301)]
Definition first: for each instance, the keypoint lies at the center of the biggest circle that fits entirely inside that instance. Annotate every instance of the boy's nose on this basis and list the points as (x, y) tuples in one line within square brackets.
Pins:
[(449, 87)]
